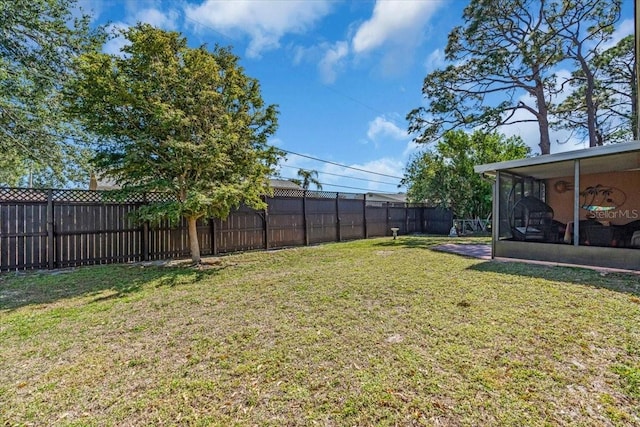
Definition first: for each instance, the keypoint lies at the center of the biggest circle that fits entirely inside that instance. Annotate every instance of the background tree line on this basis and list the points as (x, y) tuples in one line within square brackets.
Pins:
[(504, 64)]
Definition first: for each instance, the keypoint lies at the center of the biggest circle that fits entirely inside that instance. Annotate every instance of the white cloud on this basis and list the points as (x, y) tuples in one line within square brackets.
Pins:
[(411, 148), (264, 22), (115, 44), (332, 61), (397, 27), (385, 165), (398, 22), (300, 53), (381, 127), (88, 7), (435, 60), (167, 20), (362, 180), (626, 28)]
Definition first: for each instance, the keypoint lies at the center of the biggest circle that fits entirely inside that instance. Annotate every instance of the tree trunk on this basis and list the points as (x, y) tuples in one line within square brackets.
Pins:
[(594, 141), (543, 118), (590, 105), (194, 245)]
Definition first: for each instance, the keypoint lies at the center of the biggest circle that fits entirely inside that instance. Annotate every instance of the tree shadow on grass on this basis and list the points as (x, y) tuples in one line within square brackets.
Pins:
[(45, 287), (620, 282)]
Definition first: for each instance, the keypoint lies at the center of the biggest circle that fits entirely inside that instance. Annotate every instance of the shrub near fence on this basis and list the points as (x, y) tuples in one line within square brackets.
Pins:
[(48, 228)]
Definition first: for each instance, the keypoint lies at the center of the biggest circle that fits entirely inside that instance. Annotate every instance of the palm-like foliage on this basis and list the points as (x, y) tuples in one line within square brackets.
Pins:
[(308, 177)]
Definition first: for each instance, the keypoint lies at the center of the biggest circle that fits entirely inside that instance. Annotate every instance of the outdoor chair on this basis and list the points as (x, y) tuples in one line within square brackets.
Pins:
[(531, 219), (588, 229), (628, 234), (597, 234)]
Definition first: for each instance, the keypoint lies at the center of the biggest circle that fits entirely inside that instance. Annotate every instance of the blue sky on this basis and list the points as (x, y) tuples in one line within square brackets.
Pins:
[(343, 73)]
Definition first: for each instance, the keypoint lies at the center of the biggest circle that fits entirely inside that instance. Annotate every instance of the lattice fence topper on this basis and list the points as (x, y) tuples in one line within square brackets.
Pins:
[(313, 194), (287, 192), (110, 196), (321, 194), (80, 196), (118, 196), (23, 195)]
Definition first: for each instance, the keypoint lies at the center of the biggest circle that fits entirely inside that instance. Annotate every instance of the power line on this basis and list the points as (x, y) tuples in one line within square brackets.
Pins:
[(335, 91), (337, 164), (343, 176), (209, 27), (330, 185), (80, 141), (352, 99)]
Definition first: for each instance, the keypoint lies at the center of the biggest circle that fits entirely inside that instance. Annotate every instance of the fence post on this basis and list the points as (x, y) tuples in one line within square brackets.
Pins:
[(406, 218), (212, 230), (364, 216), (338, 231), (51, 248), (145, 241), (388, 218), (266, 225), (304, 217)]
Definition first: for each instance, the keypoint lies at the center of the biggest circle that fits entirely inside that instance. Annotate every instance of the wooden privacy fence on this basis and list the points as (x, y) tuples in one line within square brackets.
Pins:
[(48, 228)]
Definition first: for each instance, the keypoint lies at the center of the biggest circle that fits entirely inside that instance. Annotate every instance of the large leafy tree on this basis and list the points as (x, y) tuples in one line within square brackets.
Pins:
[(584, 28), (444, 175), (181, 120), (38, 41), (501, 52), (614, 96), (503, 61)]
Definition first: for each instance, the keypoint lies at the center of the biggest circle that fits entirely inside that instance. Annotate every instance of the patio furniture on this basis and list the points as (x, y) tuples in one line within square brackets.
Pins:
[(628, 232), (531, 219), (594, 233)]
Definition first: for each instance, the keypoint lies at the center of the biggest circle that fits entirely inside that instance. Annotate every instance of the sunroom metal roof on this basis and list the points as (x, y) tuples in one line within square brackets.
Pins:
[(608, 158)]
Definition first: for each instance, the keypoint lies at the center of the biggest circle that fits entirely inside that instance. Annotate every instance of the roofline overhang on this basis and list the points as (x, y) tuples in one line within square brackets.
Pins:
[(490, 169)]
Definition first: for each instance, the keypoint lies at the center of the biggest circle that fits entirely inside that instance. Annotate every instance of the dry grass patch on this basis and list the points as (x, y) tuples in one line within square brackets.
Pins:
[(376, 332)]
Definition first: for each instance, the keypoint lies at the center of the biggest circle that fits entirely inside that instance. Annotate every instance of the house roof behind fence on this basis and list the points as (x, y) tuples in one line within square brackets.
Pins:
[(387, 197), (284, 184)]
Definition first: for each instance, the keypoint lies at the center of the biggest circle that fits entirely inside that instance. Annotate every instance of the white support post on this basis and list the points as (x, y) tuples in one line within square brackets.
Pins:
[(576, 202)]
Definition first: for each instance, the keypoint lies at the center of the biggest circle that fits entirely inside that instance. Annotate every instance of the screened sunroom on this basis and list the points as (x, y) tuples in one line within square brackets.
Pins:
[(541, 204)]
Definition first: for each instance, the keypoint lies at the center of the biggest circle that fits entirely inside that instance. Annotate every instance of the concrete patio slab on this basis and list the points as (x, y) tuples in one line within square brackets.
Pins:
[(483, 251)]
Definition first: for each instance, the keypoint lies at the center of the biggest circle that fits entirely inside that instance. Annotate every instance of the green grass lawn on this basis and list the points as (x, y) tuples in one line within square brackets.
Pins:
[(376, 332)]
